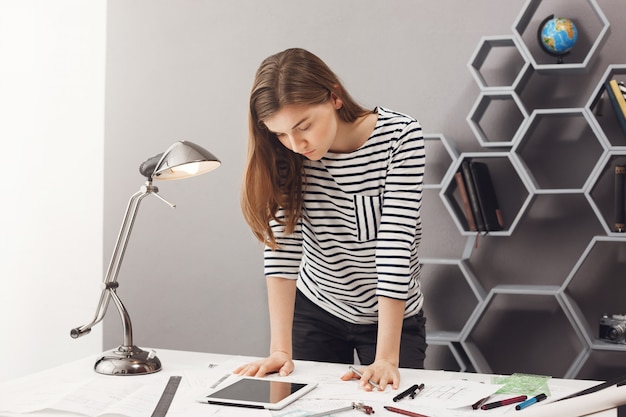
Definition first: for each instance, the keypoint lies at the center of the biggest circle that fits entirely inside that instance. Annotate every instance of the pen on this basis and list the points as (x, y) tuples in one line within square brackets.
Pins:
[(405, 412), (356, 371), (531, 401), (501, 403), (405, 393), (479, 403)]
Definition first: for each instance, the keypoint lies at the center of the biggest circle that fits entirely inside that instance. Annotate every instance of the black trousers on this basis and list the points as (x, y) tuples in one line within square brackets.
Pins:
[(320, 336)]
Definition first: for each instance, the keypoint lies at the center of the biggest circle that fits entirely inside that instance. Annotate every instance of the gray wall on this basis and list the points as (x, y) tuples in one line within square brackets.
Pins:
[(192, 278)]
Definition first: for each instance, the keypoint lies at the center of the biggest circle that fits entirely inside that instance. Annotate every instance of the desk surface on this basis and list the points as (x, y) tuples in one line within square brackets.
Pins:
[(76, 387)]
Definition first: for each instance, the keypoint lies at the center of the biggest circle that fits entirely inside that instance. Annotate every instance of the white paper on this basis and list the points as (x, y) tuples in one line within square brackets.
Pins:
[(579, 406), (131, 396), (454, 394)]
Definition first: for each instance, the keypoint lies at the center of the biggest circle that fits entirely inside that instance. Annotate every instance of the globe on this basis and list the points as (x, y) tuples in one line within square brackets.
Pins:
[(558, 35)]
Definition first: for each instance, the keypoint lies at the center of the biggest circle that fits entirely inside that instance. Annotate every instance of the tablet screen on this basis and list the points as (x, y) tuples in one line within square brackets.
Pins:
[(261, 393)]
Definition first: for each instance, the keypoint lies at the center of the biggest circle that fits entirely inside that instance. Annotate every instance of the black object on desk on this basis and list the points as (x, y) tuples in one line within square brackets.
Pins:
[(412, 392), (405, 393), (166, 398), (620, 381)]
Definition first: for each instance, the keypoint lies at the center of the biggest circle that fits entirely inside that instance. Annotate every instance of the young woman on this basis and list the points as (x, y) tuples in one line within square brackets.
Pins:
[(333, 191)]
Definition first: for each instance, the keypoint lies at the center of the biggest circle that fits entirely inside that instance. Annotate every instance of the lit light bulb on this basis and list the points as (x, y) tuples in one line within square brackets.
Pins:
[(191, 168)]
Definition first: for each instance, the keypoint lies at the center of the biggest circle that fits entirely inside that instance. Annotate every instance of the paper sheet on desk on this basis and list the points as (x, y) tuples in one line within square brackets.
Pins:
[(454, 393), (97, 396), (26, 397), (605, 399), (120, 395), (442, 398), (440, 389)]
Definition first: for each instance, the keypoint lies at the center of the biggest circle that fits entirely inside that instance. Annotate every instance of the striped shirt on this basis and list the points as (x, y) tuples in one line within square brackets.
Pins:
[(360, 227)]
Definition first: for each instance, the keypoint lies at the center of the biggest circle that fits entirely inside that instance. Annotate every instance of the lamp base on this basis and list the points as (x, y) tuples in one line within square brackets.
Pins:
[(127, 360)]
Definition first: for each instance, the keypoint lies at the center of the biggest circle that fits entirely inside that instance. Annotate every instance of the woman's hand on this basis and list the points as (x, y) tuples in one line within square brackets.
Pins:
[(277, 362), (381, 372)]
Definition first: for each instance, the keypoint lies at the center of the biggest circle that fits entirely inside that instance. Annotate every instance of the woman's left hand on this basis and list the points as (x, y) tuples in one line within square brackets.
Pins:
[(381, 372)]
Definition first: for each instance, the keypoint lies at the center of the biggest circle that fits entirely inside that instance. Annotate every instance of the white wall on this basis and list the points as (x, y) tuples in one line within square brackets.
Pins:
[(52, 63)]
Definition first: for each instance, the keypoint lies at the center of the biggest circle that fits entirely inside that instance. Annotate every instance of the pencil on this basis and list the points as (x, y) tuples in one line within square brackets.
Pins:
[(404, 412)]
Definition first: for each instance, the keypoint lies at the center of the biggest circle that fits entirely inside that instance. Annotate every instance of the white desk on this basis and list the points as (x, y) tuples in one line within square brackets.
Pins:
[(201, 370)]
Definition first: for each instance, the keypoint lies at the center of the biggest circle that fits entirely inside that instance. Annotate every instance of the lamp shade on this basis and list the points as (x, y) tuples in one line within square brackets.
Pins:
[(184, 159)]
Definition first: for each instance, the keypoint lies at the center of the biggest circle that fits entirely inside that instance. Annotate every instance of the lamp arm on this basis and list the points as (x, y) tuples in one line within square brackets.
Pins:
[(115, 263), (126, 324)]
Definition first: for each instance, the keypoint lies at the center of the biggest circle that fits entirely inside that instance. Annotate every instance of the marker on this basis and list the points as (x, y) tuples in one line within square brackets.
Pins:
[(405, 393), (356, 371), (501, 403), (405, 412), (531, 401)]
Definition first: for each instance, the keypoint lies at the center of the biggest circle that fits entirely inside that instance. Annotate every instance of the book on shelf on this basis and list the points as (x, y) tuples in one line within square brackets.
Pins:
[(620, 173), (472, 195), (487, 199), (467, 208), (617, 96), (483, 202)]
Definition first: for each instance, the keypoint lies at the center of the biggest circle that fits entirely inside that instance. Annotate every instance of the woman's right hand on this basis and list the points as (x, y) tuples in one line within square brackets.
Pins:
[(277, 362)]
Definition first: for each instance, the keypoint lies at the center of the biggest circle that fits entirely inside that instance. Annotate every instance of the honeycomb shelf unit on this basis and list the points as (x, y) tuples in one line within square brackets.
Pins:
[(490, 303)]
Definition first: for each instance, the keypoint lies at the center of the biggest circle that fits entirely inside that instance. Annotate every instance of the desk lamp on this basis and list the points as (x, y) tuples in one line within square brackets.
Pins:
[(182, 160)]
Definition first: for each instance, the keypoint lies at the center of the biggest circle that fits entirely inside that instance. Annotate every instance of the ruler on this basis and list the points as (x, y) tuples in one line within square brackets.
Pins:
[(166, 398)]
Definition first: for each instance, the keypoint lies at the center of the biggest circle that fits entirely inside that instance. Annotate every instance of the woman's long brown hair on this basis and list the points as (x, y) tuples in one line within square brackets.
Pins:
[(274, 175)]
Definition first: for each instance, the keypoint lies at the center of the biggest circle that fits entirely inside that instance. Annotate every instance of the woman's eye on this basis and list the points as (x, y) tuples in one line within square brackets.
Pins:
[(303, 128)]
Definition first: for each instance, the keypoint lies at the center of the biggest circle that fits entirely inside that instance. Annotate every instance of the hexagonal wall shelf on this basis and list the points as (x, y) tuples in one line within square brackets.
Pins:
[(497, 118), (509, 315), (559, 149), (592, 25), (497, 63), (597, 275), (512, 191), (456, 290), (602, 110)]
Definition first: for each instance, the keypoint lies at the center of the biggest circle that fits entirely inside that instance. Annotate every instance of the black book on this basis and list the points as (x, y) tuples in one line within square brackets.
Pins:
[(620, 172), (467, 208), (472, 195), (487, 199)]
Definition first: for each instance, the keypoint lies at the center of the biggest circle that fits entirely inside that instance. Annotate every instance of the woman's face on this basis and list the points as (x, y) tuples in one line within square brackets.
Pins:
[(308, 130)]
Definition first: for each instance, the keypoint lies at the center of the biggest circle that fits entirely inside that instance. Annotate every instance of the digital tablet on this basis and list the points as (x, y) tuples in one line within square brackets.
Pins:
[(258, 393)]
